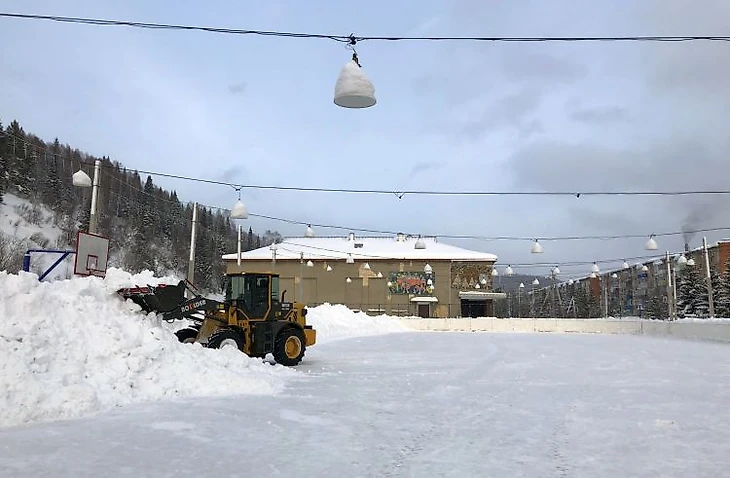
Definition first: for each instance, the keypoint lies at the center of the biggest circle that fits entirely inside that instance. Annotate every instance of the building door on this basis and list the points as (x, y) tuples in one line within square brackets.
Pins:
[(474, 308), (424, 310)]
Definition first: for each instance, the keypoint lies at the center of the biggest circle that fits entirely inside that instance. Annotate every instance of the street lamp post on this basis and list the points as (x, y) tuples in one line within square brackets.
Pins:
[(81, 179)]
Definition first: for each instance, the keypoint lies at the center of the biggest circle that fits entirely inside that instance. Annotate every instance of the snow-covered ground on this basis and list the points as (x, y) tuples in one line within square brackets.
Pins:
[(89, 386), (71, 348), (415, 404)]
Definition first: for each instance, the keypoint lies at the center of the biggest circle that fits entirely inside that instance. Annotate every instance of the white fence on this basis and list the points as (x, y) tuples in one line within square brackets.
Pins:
[(717, 331)]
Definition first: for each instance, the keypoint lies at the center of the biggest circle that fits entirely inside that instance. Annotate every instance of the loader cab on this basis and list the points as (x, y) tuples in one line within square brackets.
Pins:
[(257, 295)]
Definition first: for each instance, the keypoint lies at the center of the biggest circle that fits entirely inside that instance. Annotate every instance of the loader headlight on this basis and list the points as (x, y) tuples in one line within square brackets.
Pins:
[(304, 312)]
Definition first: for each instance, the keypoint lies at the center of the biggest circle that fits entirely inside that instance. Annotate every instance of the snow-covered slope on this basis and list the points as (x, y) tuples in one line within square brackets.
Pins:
[(70, 348), (19, 219)]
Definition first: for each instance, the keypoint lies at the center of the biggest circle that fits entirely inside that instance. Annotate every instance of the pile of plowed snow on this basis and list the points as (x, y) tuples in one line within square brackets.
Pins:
[(336, 321), (73, 347)]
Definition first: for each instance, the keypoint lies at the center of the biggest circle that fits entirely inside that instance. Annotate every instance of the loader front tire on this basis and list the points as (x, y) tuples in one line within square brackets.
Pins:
[(226, 338), (289, 346), (187, 335)]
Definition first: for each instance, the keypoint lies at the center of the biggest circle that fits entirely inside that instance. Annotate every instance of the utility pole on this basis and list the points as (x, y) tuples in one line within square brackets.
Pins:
[(670, 308), (94, 216), (193, 231), (708, 278)]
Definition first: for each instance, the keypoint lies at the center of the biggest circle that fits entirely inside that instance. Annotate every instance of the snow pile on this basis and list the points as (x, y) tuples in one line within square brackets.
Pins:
[(333, 322), (73, 347)]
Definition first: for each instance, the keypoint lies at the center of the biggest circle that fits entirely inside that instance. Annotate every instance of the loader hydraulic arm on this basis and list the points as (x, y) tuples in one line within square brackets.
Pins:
[(189, 308)]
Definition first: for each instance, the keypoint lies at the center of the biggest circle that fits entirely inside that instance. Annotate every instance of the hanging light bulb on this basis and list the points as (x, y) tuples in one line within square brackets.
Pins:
[(536, 248), (81, 179), (239, 211), (595, 269), (508, 270), (625, 265), (651, 244), (353, 88), (309, 232)]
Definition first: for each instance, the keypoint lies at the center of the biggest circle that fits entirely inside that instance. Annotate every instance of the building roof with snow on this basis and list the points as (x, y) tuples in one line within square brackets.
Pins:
[(400, 247)]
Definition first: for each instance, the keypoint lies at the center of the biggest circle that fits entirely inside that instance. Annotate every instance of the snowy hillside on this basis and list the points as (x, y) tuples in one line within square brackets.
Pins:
[(26, 226), (71, 348)]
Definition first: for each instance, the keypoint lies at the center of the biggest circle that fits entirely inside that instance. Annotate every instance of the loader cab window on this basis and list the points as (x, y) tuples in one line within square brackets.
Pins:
[(251, 291)]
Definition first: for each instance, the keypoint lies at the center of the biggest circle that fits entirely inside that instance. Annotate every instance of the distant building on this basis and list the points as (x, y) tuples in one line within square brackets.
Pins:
[(401, 275)]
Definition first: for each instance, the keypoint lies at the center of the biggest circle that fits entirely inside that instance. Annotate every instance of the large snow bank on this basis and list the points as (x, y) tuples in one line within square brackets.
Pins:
[(73, 347), (334, 322)]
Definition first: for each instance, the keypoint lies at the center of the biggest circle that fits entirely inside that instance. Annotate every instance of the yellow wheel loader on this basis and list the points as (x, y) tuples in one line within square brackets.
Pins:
[(253, 317)]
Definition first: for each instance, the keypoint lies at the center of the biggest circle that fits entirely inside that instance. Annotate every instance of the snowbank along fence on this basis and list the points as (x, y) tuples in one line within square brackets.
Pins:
[(709, 330)]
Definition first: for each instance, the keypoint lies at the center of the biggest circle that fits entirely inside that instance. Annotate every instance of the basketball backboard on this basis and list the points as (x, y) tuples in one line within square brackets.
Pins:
[(92, 254)]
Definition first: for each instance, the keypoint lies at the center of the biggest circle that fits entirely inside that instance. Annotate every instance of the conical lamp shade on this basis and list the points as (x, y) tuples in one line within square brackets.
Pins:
[(651, 244), (353, 88), (239, 211), (536, 248), (81, 179)]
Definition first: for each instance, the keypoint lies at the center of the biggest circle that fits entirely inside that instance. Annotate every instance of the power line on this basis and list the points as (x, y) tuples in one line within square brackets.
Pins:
[(352, 39), (381, 231)]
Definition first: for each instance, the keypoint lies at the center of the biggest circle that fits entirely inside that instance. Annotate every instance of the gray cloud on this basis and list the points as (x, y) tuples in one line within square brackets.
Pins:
[(605, 114), (425, 166), (238, 88), (513, 111)]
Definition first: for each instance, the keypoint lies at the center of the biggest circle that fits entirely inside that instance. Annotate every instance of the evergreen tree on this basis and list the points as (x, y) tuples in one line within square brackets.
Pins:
[(657, 308), (722, 293), (690, 292)]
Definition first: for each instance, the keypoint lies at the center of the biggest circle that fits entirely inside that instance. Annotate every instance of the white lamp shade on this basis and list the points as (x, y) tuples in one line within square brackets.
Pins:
[(348, 280), (81, 179), (389, 284), (310, 264), (366, 266), (349, 259), (380, 275), (353, 88), (429, 282), (536, 282), (420, 244), (682, 260), (536, 248), (556, 270), (477, 286), (614, 276), (651, 244), (625, 265), (428, 269), (509, 271), (329, 268), (309, 232), (593, 275), (691, 262), (644, 269), (495, 273), (483, 281), (570, 282), (595, 269), (239, 211), (522, 285)]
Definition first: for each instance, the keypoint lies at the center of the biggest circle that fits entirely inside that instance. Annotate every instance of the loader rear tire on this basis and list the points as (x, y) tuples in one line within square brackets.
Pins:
[(187, 335), (226, 338), (289, 346)]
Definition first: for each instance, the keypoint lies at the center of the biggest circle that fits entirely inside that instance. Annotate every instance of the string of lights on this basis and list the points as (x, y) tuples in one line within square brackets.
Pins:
[(352, 39), (384, 232), (400, 194)]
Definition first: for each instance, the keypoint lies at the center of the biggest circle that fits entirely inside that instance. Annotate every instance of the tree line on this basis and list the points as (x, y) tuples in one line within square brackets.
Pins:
[(148, 226)]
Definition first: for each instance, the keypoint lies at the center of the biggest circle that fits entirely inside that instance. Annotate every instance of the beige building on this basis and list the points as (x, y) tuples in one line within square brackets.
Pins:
[(401, 275)]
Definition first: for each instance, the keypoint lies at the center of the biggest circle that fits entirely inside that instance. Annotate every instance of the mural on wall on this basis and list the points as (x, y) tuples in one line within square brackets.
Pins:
[(466, 275), (415, 283)]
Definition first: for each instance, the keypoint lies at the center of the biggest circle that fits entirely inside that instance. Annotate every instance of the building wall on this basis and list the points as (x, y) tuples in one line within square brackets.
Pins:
[(367, 292)]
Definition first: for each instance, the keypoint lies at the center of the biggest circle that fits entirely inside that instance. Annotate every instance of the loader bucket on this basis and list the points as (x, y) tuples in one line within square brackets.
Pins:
[(160, 298)]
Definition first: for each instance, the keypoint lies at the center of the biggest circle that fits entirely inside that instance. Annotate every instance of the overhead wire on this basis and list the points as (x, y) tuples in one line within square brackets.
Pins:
[(479, 237), (352, 38)]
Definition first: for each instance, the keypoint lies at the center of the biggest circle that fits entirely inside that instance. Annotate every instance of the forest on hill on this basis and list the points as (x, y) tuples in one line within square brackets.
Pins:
[(148, 226)]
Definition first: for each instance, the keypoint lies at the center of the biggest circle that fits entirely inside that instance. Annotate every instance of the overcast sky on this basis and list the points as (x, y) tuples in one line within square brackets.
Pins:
[(450, 115)]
